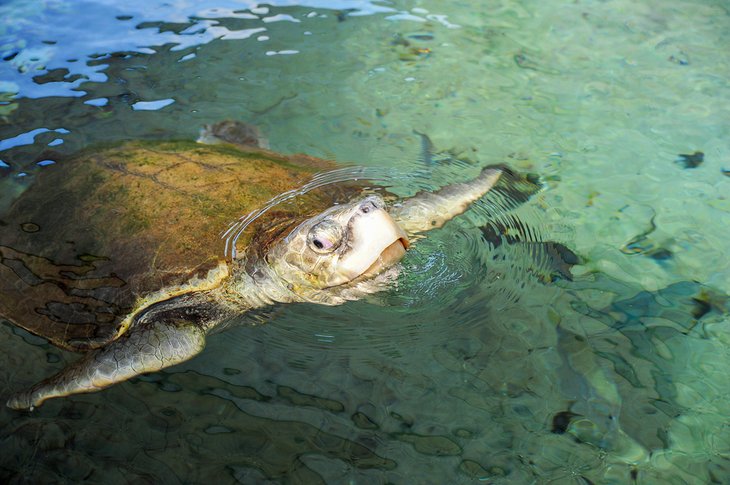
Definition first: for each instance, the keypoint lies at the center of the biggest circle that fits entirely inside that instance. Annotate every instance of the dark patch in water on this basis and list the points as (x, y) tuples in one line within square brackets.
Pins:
[(524, 62), (363, 422), (637, 317), (421, 36), (691, 161), (660, 254), (169, 411), (52, 358), (701, 308), (169, 387), (557, 257), (561, 421), (343, 14), (695, 299), (682, 61)]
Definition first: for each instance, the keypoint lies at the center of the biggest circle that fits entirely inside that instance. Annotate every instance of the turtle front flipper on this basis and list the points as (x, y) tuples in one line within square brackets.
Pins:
[(147, 347), (161, 335), (431, 210)]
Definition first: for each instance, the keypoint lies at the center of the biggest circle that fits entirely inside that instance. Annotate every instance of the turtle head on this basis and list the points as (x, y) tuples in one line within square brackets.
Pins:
[(344, 244)]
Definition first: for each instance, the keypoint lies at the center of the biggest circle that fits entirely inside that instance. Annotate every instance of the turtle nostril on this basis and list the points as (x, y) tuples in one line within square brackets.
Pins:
[(371, 203)]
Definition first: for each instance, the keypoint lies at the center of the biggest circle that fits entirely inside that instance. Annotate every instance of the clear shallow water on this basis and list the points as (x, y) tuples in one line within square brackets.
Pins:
[(471, 370)]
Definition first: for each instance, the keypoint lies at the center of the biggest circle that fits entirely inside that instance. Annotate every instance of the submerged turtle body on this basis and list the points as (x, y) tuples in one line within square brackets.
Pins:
[(121, 255), (127, 225)]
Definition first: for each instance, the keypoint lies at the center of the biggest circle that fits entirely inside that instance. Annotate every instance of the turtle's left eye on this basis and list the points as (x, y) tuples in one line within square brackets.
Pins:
[(325, 236)]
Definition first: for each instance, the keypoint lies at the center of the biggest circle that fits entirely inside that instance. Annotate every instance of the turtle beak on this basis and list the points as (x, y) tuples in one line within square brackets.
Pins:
[(376, 243)]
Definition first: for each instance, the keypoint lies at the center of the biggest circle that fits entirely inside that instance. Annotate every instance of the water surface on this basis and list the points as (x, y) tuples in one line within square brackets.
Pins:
[(484, 365)]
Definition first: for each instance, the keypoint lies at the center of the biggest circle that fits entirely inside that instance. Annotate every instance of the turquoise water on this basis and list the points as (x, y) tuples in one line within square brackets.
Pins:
[(472, 370)]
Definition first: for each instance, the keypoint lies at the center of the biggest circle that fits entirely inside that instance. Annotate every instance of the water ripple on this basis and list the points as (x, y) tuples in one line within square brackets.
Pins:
[(483, 261)]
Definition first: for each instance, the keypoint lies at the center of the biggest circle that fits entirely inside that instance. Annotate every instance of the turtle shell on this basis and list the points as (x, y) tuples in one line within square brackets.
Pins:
[(114, 226)]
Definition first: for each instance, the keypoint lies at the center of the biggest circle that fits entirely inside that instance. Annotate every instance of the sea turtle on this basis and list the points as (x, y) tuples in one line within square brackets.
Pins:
[(120, 254)]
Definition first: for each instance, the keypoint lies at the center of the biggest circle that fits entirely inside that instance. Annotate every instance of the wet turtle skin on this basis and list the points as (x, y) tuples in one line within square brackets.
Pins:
[(109, 228)]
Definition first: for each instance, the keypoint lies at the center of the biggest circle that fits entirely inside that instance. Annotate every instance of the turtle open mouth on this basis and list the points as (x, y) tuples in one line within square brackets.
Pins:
[(388, 257), (375, 242)]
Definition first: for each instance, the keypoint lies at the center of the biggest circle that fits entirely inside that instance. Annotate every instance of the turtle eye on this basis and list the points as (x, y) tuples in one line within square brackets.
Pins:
[(325, 236)]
